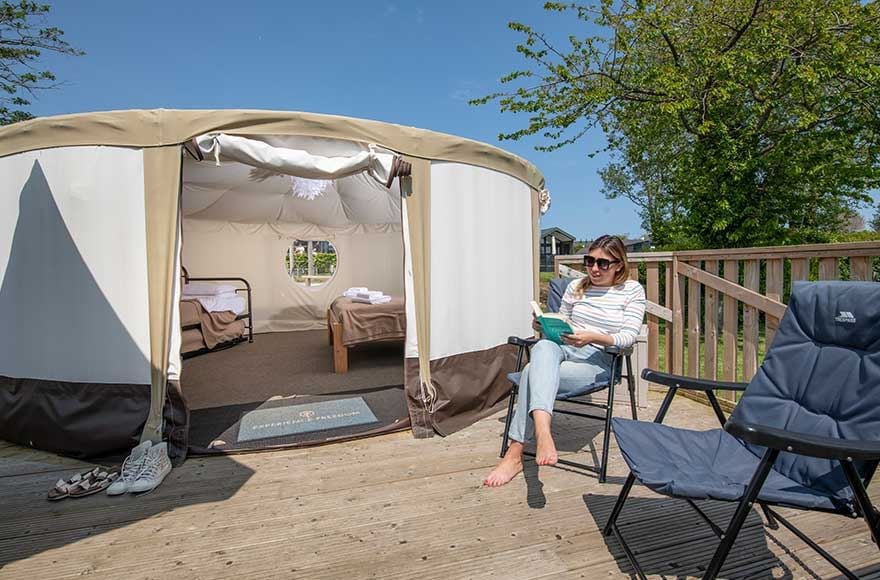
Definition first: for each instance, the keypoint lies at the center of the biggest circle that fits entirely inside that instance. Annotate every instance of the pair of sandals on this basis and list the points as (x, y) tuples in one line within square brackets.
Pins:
[(83, 484)]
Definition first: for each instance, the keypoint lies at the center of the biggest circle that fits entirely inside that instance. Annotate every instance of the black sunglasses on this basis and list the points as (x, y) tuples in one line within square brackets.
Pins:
[(590, 261)]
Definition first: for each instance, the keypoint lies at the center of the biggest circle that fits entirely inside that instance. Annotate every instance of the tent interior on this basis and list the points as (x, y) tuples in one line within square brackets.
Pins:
[(263, 209)]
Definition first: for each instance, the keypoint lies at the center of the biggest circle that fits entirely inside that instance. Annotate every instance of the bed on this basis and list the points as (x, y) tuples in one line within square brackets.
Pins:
[(215, 321), (352, 323)]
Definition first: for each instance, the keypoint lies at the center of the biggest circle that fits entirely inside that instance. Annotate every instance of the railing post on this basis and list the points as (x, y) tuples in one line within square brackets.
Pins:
[(860, 268), (774, 290), (710, 365), (828, 269), (693, 325), (752, 281), (652, 281), (800, 269), (670, 326), (677, 318), (731, 325)]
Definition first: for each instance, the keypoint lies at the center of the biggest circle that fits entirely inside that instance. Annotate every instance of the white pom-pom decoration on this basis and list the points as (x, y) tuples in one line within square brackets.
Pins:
[(308, 188)]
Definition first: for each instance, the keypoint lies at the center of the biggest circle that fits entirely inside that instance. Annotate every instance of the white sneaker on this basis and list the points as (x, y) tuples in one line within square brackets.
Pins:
[(156, 466), (131, 468)]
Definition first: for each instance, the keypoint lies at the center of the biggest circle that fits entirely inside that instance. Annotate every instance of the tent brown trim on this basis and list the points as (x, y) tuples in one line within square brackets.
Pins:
[(37, 413), (161, 127), (469, 385)]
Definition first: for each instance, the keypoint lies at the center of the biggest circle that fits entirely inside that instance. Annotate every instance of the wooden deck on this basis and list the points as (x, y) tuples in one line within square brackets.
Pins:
[(388, 507)]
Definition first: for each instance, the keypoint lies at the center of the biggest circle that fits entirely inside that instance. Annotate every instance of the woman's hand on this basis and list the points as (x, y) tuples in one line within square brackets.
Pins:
[(584, 337), (536, 326), (579, 339)]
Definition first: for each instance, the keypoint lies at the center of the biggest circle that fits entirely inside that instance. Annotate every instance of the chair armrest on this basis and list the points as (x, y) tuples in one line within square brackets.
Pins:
[(692, 383), (522, 342), (619, 350), (804, 444)]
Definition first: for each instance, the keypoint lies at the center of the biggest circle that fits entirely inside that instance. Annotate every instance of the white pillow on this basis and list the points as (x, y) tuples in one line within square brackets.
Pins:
[(207, 289)]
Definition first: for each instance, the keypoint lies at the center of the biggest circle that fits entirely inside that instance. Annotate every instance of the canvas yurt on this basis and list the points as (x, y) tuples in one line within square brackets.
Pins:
[(230, 280)]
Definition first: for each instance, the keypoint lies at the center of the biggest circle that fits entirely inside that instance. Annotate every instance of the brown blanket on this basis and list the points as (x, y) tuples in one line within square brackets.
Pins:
[(191, 340), (216, 327), (370, 322)]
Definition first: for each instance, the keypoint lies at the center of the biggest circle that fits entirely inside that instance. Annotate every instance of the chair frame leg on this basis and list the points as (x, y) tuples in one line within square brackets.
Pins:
[(611, 526), (772, 523), (514, 389), (618, 507), (742, 511), (609, 412), (505, 441), (713, 401), (862, 500), (806, 539), (631, 384)]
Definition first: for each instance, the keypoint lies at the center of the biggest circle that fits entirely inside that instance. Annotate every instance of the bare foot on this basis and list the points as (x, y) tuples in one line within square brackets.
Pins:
[(546, 452), (506, 470)]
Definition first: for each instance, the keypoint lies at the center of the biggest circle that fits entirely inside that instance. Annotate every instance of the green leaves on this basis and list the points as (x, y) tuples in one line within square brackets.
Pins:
[(875, 221), (22, 43), (731, 122)]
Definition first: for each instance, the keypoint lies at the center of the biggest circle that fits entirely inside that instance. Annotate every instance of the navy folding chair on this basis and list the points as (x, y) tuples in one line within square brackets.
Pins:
[(620, 356), (805, 434)]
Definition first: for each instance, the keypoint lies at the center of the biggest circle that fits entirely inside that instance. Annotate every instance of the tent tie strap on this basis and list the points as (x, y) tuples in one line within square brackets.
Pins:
[(544, 201), (429, 395), (399, 168), (216, 148)]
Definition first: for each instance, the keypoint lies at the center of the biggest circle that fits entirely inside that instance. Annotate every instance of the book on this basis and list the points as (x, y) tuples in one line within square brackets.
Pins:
[(553, 325)]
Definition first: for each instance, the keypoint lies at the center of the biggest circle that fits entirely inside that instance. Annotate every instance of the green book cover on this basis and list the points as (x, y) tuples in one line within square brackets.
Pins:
[(553, 327)]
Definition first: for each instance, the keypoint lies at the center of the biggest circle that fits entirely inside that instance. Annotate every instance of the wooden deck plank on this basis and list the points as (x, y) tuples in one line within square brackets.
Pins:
[(390, 507)]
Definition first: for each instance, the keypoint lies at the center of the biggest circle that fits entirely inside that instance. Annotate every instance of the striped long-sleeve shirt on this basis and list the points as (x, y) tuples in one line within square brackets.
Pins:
[(613, 310)]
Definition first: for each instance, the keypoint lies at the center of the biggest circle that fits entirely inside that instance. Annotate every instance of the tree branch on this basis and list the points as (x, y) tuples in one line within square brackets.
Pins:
[(742, 30)]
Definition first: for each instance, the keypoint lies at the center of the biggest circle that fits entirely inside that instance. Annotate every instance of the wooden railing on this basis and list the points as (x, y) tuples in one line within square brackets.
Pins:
[(708, 310)]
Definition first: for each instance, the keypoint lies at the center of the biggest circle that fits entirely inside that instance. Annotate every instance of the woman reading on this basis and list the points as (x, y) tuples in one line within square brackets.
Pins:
[(604, 308)]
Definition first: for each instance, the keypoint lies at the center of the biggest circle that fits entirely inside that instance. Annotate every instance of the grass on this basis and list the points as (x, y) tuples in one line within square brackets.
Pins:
[(719, 349)]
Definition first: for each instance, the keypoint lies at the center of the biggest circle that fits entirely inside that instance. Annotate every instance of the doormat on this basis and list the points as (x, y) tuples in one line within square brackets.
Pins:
[(294, 419)]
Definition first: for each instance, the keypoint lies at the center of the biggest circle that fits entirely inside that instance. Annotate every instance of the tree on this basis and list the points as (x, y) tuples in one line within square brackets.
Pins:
[(875, 221), (728, 122), (23, 39)]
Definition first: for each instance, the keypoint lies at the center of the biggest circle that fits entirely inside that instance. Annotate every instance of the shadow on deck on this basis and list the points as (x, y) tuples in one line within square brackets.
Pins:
[(392, 507)]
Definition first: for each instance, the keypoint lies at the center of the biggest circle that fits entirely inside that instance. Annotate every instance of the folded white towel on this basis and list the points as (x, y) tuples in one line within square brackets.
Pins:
[(205, 289), (373, 300), (356, 289), (371, 294)]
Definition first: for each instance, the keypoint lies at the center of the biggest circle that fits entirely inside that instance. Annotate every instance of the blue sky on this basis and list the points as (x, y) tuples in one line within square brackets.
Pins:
[(412, 63)]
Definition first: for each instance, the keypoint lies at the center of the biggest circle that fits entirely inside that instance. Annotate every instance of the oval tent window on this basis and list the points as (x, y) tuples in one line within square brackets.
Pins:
[(311, 263)]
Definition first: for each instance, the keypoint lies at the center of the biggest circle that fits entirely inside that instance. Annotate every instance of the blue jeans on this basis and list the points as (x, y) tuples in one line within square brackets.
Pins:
[(555, 372)]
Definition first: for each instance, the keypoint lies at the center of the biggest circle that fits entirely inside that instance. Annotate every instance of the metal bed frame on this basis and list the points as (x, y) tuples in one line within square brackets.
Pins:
[(243, 316)]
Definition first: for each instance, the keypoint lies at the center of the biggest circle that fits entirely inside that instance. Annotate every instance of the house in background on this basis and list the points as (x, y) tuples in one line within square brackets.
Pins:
[(642, 244), (554, 242)]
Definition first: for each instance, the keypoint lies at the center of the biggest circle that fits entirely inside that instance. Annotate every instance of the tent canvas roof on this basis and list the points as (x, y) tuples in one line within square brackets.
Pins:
[(229, 193), (161, 127)]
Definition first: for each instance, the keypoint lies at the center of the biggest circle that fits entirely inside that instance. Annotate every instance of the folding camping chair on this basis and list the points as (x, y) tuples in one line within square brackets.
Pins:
[(805, 434), (619, 356)]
